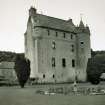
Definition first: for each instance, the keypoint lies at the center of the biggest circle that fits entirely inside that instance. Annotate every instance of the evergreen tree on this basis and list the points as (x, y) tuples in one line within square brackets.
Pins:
[(22, 68)]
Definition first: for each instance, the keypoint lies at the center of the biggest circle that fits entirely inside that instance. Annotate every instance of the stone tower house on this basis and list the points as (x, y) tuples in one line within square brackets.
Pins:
[(57, 49)]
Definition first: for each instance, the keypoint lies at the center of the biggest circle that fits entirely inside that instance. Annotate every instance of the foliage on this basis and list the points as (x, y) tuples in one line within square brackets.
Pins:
[(22, 68), (8, 56), (93, 72), (96, 66)]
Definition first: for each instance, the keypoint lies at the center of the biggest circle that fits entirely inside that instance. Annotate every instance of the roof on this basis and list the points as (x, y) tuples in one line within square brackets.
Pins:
[(7, 65), (51, 22), (39, 20), (81, 24)]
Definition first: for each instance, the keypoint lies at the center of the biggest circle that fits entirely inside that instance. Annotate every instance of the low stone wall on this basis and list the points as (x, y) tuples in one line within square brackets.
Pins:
[(74, 90)]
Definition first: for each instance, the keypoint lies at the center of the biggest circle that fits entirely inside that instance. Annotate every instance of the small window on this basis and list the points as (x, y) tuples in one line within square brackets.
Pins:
[(53, 62), (43, 75), (72, 48), (56, 34), (53, 76), (82, 43), (32, 79), (73, 63), (53, 45), (64, 35), (71, 36), (48, 32), (63, 62)]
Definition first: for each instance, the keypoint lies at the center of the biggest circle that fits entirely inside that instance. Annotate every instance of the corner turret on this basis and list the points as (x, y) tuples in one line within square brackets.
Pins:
[(83, 50), (81, 25), (82, 28)]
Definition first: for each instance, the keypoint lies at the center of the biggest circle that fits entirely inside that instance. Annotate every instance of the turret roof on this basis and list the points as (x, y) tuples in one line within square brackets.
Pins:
[(81, 24)]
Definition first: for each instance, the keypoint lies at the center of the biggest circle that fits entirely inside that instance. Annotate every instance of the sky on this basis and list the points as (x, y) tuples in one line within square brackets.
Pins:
[(14, 16)]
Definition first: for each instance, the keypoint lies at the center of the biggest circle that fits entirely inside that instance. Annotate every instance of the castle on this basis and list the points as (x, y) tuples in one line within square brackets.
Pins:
[(57, 49)]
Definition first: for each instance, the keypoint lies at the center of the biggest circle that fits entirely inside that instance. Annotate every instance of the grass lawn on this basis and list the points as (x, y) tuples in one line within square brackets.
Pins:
[(27, 96)]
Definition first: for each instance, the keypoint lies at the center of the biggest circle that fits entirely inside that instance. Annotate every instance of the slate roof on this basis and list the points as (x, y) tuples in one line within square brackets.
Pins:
[(55, 23), (40, 20)]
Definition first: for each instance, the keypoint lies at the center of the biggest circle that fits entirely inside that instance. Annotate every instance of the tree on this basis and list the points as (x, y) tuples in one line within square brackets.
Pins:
[(95, 67), (22, 68), (93, 72)]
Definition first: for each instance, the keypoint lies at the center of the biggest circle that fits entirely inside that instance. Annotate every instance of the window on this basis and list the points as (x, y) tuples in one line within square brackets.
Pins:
[(63, 62), (56, 34), (82, 45), (72, 48), (71, 36), (64, 35), (53, 76), (32, 79), (53, 45), (43, 75), (53, 62), (82, 42), (48, 32), (73, 63)]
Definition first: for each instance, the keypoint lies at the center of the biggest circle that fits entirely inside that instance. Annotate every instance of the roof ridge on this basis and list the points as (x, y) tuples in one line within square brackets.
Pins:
[(53, 17)]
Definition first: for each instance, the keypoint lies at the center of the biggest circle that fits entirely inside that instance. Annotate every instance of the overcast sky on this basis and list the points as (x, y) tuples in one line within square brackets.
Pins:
[(14, 15)]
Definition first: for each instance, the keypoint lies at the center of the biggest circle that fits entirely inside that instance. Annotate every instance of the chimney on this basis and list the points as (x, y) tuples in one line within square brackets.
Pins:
[(32, 11)]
